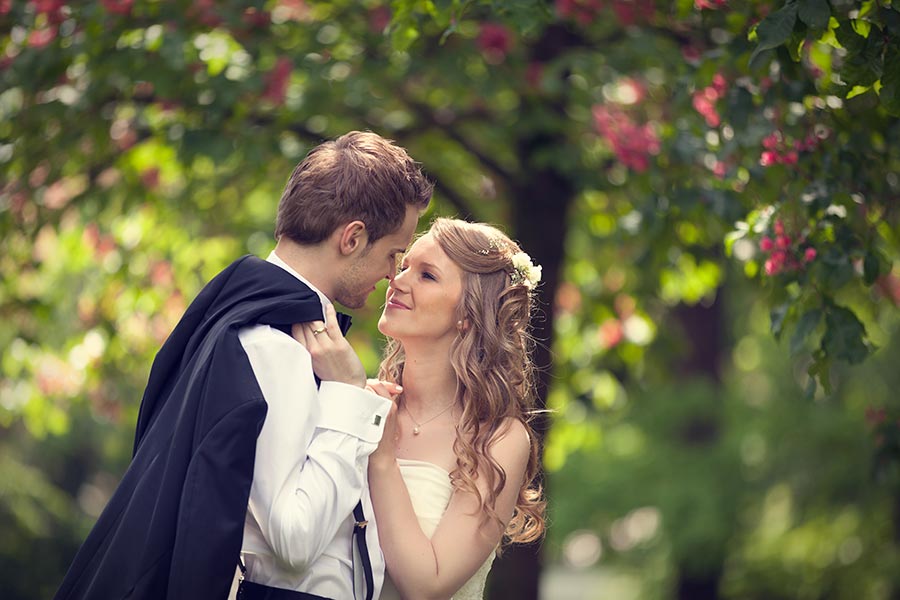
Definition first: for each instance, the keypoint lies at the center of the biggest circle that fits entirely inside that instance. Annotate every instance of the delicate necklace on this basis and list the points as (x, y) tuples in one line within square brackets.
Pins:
[(418, 428)]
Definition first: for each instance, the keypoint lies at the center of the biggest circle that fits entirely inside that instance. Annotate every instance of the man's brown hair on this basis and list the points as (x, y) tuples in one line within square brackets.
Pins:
[(358, 176)]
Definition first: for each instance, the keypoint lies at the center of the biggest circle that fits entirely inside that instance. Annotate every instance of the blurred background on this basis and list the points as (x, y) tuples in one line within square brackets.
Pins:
[(711, 187)]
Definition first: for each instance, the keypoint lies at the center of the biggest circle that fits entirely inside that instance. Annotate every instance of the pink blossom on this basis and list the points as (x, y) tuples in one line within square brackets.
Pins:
[(631, 142), (610, 333), (719, 84), (771, 141), (495, 41), (637, 88), (779, 227), (775, 263), (277, 81), (379, 18), (809, 255), (583, 11), (768, 158), (710, 4), (783, 242), (766, 244), (704, 105), (150, 178), (256, 19), (630, 12), (719, 169), (39, 38), (51, 8), (691, 54), (118, 7), (205, 12)]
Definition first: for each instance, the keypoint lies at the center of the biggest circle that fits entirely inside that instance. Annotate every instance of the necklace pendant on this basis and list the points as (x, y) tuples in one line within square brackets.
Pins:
[(415, 431)]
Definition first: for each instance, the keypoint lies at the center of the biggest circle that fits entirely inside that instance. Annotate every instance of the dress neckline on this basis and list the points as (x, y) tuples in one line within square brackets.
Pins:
[(423, 462)]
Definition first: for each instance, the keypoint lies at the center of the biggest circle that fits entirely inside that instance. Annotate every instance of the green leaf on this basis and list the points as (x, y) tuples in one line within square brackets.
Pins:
[(890, 80), (848, 38), (891, 20), (858, 90), (871, 268), (814, 13), (403, 37), (775, 29), (795, 45), (805, 326), (777, 317), (835, 269), (856, 73), (818, 371), (730, 238), (844, 337)]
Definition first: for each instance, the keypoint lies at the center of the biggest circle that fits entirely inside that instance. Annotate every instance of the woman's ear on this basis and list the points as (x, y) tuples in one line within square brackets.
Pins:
[(354, 236), (463, 325)]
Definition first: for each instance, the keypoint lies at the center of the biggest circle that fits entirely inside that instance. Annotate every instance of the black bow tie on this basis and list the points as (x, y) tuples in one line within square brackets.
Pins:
[(344, 322)]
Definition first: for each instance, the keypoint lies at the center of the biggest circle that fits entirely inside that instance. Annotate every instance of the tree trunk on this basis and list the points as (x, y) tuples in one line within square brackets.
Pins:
[(703, 328), (539, 224), (699, 587), (540, 199)]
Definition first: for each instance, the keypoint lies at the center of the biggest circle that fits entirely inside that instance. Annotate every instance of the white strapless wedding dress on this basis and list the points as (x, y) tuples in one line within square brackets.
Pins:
[(430, 490)]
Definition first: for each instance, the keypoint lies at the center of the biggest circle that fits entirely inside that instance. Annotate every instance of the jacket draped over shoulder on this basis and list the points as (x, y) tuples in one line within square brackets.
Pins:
[(173, 527)]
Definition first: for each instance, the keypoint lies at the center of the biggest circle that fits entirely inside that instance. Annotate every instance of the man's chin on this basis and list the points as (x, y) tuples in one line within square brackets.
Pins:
[(353, 302)]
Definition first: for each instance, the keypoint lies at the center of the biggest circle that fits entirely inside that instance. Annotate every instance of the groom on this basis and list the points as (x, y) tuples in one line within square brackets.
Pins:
[(240, 451)]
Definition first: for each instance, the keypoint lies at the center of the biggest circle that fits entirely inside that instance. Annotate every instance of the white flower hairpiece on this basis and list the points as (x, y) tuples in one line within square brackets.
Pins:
[(525, 271)]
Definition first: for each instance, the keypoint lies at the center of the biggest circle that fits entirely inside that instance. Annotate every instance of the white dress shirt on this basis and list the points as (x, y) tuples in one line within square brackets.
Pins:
[(310, 471)]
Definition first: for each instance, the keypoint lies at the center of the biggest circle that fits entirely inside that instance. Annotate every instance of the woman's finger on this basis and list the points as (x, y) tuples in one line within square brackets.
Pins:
[(316, 328), (332, 328)]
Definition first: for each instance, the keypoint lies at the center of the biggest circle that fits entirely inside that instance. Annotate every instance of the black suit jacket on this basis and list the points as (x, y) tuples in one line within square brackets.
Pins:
[(173, 527)]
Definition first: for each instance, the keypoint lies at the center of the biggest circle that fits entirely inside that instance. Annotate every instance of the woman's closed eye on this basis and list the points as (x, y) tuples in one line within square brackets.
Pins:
[(425, 274)]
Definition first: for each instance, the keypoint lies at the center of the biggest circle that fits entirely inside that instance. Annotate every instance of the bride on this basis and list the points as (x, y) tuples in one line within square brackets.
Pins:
[(453, 478)]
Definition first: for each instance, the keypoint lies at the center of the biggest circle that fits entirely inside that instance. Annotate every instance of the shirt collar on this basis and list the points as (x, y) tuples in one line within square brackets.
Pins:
[(276, 260)]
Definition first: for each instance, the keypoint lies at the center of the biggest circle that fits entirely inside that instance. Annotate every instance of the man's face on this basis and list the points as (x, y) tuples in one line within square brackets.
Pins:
[(375, 262)]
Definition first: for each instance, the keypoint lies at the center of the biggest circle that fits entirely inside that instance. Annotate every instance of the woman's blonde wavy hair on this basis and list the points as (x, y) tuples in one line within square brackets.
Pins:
[(493, 369)]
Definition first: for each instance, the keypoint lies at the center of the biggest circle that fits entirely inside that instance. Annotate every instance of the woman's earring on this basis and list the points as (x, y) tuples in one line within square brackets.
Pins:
[(459, 324)]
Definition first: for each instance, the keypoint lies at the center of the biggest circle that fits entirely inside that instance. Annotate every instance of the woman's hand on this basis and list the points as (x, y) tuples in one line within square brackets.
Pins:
[(383, 388), (332, 357)]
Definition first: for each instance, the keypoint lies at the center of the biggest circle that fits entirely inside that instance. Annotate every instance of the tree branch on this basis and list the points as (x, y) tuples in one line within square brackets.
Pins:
[(454, 198), (424, 113)]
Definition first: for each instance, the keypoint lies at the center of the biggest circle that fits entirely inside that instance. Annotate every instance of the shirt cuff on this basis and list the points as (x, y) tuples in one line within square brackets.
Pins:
[(352, 410)]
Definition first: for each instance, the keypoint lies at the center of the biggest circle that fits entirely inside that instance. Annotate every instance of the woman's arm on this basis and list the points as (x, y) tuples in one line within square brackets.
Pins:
[(436, 568)]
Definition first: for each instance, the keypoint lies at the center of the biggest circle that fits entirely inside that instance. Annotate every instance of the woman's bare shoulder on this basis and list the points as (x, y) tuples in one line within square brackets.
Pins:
[(512, 444)]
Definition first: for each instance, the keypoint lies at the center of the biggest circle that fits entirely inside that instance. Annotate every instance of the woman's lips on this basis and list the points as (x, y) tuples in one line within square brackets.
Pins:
[(396, 304)]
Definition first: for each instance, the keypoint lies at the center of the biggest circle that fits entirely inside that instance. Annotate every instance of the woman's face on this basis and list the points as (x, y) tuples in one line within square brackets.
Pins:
[(422, 298)]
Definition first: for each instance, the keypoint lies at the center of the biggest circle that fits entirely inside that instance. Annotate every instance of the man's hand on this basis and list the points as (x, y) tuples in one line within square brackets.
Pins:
[(332, 357)]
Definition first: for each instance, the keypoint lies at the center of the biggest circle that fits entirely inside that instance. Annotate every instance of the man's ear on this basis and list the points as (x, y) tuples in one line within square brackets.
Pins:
[(354, 236)]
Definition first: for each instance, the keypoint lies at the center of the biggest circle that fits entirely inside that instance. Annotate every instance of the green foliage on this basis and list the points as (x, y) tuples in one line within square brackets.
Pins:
[(643, 152)]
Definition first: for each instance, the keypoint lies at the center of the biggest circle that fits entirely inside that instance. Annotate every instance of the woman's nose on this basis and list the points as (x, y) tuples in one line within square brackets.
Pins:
[(397, 280)]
